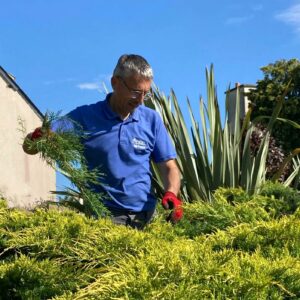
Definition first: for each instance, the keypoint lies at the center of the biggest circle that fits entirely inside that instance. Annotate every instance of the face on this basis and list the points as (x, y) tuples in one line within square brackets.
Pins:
[(130, 92)]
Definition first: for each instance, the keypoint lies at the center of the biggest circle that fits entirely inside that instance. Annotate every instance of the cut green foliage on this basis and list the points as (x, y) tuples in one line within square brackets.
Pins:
[(63, 150)]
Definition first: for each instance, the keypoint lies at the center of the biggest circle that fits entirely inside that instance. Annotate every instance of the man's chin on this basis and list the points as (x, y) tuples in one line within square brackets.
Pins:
[(133, 107)]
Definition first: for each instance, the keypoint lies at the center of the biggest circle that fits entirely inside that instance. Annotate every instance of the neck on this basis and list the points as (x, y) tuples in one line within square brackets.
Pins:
[(113, 103)]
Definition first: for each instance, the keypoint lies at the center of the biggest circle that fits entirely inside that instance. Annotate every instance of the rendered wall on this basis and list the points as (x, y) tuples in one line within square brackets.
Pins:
[(25, 180), (244, 103)]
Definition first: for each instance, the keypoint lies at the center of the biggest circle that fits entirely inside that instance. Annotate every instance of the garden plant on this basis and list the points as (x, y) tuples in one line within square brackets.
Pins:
[(239, 239), (237, 247), (214, 155)]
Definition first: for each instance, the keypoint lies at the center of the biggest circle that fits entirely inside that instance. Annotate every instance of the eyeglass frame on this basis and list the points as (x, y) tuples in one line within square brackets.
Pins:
[(136, 93)]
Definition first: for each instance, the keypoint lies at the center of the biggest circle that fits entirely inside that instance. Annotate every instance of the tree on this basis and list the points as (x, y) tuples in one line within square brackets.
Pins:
[(278, 77)]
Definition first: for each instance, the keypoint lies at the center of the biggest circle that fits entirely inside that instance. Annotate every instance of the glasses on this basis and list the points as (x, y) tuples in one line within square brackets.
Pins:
[(137, 93)]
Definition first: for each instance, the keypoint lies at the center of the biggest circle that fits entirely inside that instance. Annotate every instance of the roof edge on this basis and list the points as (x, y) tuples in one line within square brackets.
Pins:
[(241, 86), (11, 83)]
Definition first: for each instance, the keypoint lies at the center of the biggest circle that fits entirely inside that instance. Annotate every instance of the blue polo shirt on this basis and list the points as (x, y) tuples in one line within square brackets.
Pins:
[(122, 151)]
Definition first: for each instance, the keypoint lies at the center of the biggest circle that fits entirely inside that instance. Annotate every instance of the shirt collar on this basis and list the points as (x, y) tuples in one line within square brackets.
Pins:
[(135, 116), (110, 114)]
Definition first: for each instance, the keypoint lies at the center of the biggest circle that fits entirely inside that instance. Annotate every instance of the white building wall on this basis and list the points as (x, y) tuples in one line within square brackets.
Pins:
[(25, 180), (244, 102)]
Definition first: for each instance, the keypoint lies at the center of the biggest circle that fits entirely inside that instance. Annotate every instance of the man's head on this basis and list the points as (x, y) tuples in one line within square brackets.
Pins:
[(131, 82), (133, 65)]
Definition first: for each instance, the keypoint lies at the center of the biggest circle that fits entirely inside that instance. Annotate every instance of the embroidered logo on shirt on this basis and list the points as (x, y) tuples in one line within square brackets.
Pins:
[(139, 144)]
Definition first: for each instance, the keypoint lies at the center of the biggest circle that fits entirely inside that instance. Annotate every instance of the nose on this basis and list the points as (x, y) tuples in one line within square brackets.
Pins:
[(138, 97)]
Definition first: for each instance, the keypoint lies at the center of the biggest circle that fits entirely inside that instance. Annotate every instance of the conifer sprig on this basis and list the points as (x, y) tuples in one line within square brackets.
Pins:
[(63, 151)]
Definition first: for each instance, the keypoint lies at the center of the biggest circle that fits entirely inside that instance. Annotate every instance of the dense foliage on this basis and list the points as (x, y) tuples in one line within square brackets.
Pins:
[(62, 149), (276, 154), (279, 76), (238, 247), (212, 154)]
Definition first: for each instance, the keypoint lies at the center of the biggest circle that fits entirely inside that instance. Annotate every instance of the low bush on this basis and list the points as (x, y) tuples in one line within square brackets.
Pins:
[(287, 197), (237, 247)]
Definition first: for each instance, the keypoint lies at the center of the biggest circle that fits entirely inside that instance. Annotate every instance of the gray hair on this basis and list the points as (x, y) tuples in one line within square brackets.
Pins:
[(131, 64)]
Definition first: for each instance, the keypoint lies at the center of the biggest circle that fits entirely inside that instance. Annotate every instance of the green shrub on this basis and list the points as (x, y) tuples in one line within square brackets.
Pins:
[(288, 198), (237, 247), (230, 208), (26, 278), (273, 238)]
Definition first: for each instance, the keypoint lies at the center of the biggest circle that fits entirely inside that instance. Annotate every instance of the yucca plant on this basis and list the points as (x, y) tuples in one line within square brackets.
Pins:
[(213, 155)]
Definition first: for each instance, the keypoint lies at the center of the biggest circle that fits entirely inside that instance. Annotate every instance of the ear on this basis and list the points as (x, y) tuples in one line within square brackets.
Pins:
[(114, 82)]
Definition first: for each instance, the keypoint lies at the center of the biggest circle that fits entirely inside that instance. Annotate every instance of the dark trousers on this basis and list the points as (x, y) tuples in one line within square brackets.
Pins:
[(137, 220)]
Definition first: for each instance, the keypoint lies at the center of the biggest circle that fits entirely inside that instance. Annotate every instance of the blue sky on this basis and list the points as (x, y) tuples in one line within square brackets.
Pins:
[(61, 52)]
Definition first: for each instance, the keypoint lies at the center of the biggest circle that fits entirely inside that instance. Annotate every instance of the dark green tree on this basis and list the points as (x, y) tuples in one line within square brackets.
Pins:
[(278, 77)]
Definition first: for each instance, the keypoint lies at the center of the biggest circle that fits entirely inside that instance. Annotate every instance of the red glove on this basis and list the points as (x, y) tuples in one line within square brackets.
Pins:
[(170, 201), (37, 133)]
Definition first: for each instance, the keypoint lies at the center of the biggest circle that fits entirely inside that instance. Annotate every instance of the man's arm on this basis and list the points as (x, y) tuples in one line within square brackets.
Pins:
[(171, 180), (170, 175)]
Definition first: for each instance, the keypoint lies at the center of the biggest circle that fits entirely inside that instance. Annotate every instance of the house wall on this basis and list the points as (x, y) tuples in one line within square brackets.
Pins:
[(244, 103), (25, 180)]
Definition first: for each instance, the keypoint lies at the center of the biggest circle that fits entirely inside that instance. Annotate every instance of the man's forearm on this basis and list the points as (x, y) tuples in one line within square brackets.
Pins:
[(172, 181), (170, 176)]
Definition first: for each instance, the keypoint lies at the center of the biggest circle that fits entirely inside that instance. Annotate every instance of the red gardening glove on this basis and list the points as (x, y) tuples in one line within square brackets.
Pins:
[(40, 132), (36, 134), (170, 201)]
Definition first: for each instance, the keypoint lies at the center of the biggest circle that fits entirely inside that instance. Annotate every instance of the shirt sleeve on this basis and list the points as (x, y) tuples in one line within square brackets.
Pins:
[(67, 123), (163, 148)]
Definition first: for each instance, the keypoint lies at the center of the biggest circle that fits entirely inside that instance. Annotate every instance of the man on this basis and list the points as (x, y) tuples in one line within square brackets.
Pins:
[(122, 137)]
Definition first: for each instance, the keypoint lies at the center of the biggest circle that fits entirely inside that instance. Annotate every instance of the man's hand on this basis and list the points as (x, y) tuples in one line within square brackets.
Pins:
[(38, 133), (170, 201)]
